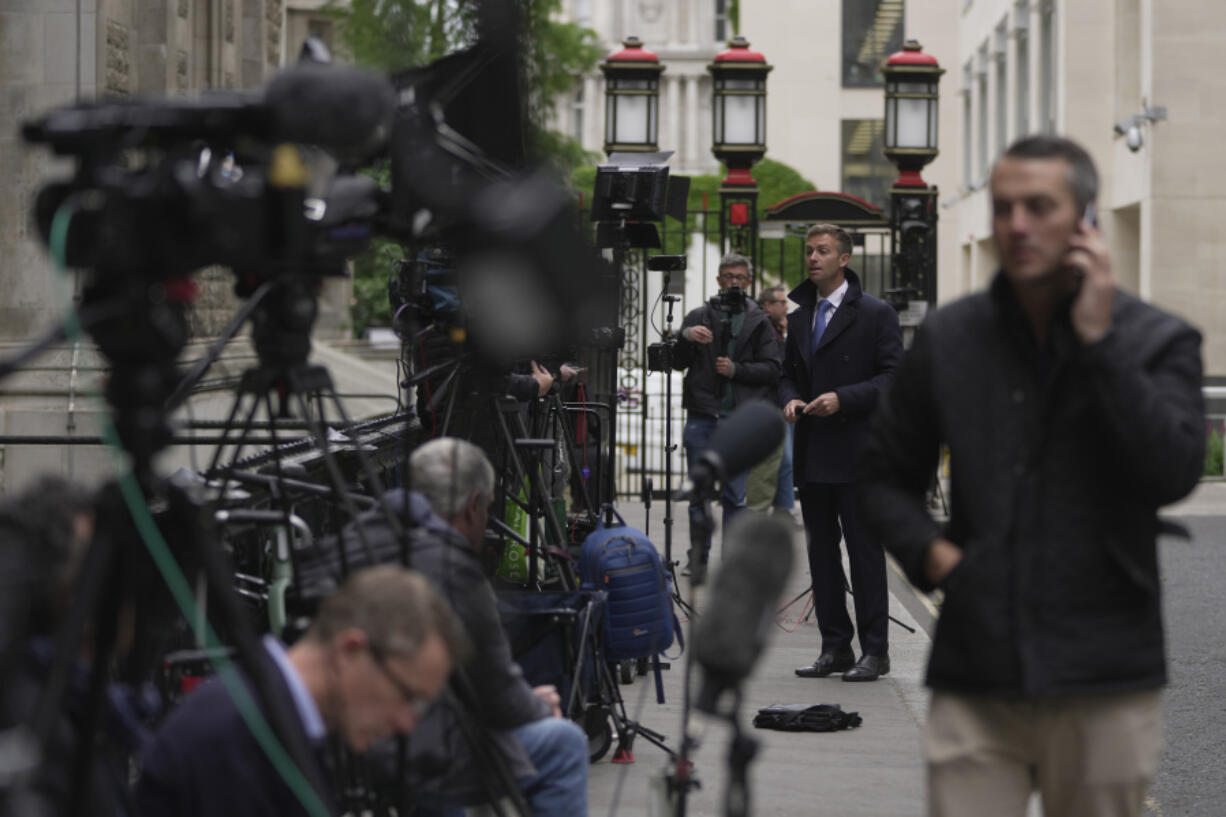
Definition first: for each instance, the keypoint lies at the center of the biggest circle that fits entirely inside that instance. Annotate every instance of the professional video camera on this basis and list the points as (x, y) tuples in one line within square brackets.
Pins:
[(216, 181)]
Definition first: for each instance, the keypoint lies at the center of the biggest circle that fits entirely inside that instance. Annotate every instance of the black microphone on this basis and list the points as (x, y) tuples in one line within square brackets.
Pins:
[(345, 110), (733, 631), (740, 442)]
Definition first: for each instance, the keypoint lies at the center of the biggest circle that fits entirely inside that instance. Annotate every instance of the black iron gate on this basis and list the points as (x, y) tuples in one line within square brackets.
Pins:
[(646, 409)]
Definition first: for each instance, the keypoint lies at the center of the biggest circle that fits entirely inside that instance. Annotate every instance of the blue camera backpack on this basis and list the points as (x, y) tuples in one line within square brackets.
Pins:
[(639, 621)]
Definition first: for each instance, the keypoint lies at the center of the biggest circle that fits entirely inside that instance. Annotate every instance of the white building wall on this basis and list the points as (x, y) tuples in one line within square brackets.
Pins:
[(1161, 206)]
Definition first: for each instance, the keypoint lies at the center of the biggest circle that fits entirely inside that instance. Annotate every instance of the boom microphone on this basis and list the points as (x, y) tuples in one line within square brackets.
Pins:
[(732, 633), (344, 110), (743, 440)]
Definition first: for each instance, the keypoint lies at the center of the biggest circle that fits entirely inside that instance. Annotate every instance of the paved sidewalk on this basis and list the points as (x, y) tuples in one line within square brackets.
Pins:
[(874, 771)]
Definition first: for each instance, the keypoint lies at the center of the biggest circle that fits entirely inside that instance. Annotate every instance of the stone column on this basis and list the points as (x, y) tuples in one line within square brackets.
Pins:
[(690, 156)]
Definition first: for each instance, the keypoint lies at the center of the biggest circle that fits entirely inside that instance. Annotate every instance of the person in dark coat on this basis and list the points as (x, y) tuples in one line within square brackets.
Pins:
[(1072, 411), (730, 355), (842, 345), (545, 753), (380, 650)]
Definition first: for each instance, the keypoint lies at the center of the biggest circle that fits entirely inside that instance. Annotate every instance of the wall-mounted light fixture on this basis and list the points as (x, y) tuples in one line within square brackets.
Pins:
[(1130, 128)]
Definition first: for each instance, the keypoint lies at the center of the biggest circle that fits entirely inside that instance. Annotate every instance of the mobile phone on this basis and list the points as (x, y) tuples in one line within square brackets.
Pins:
[(1090, 215)]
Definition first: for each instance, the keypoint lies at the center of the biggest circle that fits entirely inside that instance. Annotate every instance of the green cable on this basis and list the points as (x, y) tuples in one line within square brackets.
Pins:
[(138, 508)]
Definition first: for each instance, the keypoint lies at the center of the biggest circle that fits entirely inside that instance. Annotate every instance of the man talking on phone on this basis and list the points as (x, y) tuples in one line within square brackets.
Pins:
[(1072, 411)]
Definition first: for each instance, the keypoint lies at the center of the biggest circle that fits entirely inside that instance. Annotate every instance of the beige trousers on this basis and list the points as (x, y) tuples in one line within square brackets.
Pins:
[(1088, 756), (763, 481)]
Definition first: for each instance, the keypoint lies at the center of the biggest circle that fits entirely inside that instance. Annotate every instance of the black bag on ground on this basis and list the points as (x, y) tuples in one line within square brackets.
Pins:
[(805, 718)]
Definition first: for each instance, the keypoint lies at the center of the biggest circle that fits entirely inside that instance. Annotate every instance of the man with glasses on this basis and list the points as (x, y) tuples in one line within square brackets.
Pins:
[(770, 482), (379, 651), (731, 355)]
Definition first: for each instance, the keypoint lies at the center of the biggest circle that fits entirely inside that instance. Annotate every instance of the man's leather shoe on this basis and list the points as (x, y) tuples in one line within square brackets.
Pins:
[(868, 668), (827, 663)]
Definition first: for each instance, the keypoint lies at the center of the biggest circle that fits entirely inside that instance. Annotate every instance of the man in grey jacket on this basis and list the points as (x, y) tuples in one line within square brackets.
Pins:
[(453, 485), (1072, 411)]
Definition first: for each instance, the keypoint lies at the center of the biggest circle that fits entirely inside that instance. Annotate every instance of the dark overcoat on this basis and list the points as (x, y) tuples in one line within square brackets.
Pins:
[(861, 346), (1060, 457)]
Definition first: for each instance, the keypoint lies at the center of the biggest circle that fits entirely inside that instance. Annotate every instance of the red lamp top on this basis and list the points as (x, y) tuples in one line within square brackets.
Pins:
[(911, 56), (738, 51), (633, 52)]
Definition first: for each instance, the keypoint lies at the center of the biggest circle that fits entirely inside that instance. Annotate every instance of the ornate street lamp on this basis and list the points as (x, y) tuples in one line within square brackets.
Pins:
[(738, 139), (632, 98), (911, 113)]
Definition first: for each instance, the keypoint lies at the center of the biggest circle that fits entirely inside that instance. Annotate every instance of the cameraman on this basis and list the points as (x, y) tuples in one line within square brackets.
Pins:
[(731, 354)]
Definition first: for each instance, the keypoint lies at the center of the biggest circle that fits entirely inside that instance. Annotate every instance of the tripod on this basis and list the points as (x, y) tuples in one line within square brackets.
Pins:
[(141, 338), (669, 446)]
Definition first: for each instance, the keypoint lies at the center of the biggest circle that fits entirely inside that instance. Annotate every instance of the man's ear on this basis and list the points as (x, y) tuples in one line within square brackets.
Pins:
[(350, 641)]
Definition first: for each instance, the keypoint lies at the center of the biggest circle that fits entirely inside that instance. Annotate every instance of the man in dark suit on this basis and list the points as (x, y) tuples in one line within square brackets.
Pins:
[(842, 344), (380, 650)]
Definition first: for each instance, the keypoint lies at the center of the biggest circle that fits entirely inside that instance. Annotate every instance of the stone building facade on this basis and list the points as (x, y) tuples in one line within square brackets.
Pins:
[(57, 52)]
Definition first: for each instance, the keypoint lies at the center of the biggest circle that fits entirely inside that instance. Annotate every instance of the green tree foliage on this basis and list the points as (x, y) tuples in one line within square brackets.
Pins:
[(391, 35), (1213, 454)]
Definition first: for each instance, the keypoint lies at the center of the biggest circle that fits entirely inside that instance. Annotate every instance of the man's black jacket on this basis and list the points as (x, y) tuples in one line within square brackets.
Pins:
[(854, 359), (756, 357), (1059, 461)]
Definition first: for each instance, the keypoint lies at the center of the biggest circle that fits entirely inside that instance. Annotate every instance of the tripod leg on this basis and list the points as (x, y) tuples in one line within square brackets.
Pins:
[(334, 472)]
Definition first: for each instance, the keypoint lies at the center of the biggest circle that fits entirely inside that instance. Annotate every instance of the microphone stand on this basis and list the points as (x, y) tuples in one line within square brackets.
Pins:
[(669, 448), (681, 778), (742, 749)]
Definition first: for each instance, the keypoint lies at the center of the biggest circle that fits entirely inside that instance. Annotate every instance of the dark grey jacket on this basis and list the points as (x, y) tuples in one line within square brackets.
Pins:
[(1059, 461), (441, 757), (756, 358)]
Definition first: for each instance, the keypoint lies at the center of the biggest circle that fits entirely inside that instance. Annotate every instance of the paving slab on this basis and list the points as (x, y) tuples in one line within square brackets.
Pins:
[(875, 770)]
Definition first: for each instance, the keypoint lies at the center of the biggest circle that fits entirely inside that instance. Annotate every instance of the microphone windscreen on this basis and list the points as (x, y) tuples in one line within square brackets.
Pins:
[(734, 629), (346, 110), (747, 437)]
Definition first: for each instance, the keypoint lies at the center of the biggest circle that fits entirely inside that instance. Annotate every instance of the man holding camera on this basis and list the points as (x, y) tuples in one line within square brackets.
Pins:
[(731, 354), (842, 346)]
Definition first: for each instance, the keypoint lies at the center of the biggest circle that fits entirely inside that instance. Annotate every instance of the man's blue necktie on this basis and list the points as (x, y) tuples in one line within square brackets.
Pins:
[(819, 329)]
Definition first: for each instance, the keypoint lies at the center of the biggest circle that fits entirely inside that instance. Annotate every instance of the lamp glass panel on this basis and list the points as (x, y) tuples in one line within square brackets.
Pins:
[(914, 88), (610, 120), (932, 123), (631, 119), (633, 84), (740, 84), (912, 124), (891, 121), (761, 118), (717, 110), (739, 125)]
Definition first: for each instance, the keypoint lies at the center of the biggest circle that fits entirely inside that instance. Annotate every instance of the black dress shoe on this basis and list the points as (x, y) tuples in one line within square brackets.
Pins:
[(827, 663), (868, 668)]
